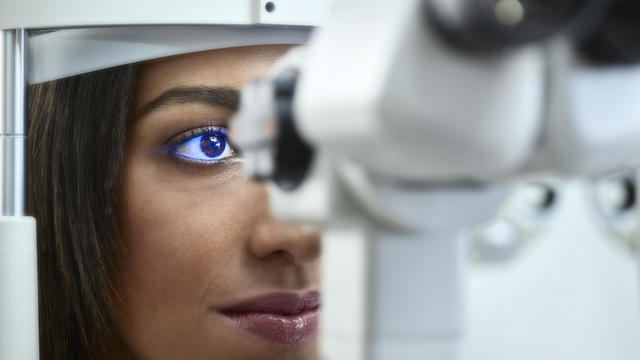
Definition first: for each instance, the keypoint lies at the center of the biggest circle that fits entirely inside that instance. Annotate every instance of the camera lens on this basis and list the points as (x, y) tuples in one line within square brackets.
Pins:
[(617, 39), (493, 25)]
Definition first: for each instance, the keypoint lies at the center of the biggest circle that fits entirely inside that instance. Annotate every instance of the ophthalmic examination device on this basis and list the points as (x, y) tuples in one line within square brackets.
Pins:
[(398, 125)]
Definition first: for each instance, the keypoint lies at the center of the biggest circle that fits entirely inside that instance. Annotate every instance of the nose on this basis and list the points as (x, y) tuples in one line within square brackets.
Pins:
[(299, 243)]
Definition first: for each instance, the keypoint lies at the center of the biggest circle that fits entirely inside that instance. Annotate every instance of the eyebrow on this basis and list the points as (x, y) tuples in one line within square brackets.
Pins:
[(226, 97)]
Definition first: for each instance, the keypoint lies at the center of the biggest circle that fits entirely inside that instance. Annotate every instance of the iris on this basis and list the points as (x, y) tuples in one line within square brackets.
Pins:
[(213, 145)]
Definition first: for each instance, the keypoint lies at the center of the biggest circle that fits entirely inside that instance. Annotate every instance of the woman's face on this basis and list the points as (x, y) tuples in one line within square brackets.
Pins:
[(208, 272)]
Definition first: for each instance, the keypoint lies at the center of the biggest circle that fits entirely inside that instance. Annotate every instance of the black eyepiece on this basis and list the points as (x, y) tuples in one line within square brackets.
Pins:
[(293, 155), (617, 39), (495, 25)]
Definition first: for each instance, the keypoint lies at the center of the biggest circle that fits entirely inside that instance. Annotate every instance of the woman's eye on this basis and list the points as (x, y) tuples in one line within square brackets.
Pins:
[(208, 147)]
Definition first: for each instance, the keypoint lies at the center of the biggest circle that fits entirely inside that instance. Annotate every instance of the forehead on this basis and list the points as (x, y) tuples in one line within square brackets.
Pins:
[(223, 67)]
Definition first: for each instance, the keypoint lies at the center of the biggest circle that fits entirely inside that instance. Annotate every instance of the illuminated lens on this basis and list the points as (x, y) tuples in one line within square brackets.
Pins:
[(213, 145)]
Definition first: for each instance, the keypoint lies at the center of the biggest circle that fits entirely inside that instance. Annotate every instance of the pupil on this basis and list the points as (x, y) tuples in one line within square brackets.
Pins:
[(212, 145)]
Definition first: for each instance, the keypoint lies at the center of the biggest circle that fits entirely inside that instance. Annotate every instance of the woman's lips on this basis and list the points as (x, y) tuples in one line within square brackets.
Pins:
[(289, 318)]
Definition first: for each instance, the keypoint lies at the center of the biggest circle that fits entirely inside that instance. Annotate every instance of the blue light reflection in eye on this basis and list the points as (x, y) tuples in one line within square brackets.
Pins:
[(211, 146)]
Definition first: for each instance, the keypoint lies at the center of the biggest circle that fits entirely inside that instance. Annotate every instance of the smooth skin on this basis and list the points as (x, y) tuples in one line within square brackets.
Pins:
[(200, 238)]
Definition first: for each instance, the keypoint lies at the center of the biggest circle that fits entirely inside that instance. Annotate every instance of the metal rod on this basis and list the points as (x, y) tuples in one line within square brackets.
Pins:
[(13, 127), (3, 114)]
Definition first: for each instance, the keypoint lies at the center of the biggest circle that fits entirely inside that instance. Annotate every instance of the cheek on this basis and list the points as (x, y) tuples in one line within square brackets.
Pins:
[(182, 237), (178, 227)]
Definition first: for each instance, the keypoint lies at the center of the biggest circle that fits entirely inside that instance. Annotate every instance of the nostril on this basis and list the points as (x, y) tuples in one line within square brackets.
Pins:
[(285, 255)]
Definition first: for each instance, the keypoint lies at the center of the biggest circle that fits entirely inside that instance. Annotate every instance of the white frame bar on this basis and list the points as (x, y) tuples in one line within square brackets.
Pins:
[(13, 124)]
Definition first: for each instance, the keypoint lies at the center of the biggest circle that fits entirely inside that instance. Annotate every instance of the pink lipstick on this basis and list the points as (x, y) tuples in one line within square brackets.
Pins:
[(289, 318)]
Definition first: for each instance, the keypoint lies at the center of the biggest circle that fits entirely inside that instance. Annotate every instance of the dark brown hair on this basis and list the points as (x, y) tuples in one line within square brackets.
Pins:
[(77, 130)]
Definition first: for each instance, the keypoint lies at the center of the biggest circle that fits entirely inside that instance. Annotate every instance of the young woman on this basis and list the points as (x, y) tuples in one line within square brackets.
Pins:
[(151, 243)]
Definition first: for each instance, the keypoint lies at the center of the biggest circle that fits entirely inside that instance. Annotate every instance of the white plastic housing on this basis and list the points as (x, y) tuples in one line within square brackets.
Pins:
[(82, 13), (380, 89), (390, 294), (593, 122), (70, 52), (18, 289)]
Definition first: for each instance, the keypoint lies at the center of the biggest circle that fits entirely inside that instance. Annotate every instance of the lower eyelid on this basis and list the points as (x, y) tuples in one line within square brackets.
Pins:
[(195, 165)]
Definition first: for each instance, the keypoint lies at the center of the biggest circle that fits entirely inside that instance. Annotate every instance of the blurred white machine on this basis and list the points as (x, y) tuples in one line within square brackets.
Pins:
[(398, 126), (416, 114)]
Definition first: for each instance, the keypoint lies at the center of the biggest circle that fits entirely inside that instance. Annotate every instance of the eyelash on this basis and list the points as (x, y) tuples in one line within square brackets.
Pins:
[(188, 135)]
